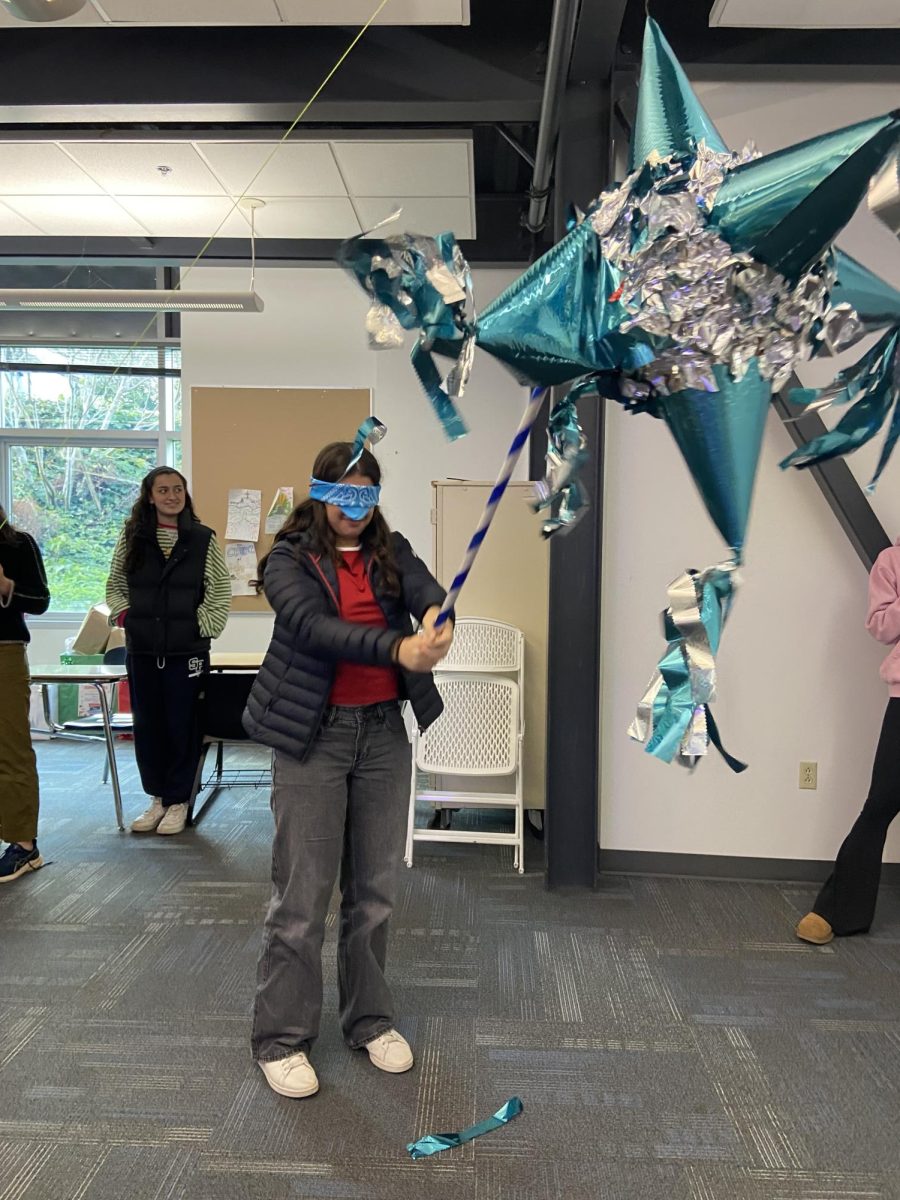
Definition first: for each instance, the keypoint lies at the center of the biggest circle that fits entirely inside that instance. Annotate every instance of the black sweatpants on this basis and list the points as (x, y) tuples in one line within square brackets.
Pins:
[(847, 899), (166, 698)]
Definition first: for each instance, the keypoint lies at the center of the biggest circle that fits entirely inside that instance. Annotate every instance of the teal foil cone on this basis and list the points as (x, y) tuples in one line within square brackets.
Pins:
[(720, 435), (670, 118), (875, 300), (553, 323), (786, 208)]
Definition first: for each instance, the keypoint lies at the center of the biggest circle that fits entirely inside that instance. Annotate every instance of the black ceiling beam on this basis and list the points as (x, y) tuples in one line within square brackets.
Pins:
[(501, 240), (266, 74)]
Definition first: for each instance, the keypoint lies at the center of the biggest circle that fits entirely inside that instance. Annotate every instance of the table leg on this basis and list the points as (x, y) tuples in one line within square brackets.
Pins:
[(111, 754)]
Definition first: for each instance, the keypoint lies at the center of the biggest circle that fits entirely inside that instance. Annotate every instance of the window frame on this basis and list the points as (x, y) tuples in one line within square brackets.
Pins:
[(163, 439)]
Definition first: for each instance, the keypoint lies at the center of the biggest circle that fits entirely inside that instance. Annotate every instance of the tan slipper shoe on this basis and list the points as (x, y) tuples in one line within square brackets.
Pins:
[(815, 929)]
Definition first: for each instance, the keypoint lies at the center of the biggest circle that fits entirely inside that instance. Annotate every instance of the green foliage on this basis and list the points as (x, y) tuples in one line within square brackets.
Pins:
[(74, 499), (71, 399)]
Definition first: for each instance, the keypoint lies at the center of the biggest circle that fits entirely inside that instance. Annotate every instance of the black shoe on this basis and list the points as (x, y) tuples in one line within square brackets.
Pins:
[(16, 861)]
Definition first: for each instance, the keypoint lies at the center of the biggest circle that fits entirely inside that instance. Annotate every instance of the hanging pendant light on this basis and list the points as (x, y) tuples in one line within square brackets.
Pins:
[(43, 10)]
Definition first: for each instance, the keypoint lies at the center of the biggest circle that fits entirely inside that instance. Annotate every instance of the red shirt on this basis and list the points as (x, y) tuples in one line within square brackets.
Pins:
[(356, 685)]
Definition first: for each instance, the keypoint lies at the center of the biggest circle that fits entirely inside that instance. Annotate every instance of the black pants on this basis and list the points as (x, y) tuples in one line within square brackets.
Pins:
[(847, 900), (166, 696)]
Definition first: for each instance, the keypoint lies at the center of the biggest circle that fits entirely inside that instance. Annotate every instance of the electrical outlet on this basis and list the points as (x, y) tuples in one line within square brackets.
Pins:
[(809, 775)]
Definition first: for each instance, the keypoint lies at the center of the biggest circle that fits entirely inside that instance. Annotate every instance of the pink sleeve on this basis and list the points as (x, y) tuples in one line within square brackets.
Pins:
[(883, 621)]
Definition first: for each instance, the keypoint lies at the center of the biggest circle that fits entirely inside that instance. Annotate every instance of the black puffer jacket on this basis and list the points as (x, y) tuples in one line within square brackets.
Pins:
[(165, 593), (289, 697)]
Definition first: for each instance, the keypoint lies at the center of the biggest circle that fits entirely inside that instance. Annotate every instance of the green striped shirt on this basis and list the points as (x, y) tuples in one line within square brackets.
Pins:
[(212, 613)]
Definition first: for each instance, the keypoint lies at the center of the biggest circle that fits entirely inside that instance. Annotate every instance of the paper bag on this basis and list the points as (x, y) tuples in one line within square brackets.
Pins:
[(93, 635)]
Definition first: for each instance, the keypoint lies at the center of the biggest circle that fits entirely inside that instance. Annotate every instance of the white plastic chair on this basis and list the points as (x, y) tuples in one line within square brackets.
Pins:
[(479, 733)]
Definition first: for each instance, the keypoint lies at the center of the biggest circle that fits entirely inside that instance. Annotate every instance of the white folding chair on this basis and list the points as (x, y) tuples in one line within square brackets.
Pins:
[(479, 733)]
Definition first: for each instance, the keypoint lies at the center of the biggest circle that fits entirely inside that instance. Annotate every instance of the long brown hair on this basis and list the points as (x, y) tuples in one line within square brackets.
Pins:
[(8, 532), (141, 524), (310, 517)]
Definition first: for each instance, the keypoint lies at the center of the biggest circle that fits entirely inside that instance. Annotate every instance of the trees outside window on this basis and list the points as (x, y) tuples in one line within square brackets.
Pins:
[(79, 428)]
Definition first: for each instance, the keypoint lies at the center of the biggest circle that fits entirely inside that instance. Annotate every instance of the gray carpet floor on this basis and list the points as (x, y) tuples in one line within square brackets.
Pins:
[(668, 1037)]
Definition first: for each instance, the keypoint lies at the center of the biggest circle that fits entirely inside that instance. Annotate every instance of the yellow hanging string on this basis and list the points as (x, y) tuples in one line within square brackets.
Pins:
[(287, 133)]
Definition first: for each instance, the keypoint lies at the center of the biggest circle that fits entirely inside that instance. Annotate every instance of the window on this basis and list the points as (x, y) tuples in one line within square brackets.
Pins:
[(80, 426)]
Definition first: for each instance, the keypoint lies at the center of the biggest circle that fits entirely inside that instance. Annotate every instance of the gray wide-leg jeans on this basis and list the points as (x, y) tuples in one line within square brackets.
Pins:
[(344, 808)]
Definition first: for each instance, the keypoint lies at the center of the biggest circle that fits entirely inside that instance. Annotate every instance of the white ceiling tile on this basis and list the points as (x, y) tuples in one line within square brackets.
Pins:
[(806, 14), (41, 168), (11, 224), (306, 218), (192, 12), (357, 12), (296, 169), (131, 168), (187, 216), (427, 168), (260, 12), (428, 214), (98, 216)]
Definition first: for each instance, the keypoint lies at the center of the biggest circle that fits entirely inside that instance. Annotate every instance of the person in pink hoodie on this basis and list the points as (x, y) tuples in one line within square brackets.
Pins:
[(846, 903)]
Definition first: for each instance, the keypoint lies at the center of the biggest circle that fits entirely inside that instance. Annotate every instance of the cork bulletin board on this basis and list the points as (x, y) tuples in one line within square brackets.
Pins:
[(263, 438)]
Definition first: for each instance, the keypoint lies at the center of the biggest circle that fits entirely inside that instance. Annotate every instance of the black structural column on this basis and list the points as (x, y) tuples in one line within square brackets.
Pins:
[(573, 698)]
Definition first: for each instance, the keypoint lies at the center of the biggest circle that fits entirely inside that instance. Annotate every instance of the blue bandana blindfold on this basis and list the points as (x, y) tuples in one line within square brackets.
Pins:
[(354, 500)]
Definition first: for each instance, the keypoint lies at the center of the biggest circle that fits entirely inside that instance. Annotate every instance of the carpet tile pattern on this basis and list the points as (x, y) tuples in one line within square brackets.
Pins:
[(669, 1038)]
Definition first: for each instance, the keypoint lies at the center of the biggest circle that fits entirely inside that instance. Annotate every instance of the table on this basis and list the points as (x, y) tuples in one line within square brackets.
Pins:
[(237, 660), (101, 676)]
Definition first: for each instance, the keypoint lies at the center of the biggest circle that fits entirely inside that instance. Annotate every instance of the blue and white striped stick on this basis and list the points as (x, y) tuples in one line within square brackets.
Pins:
[(512, 457)]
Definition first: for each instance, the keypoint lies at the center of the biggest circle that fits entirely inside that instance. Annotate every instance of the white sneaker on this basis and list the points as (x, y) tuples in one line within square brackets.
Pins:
[(390, 1052), (292, 1076), (174, 820), (149, 820)]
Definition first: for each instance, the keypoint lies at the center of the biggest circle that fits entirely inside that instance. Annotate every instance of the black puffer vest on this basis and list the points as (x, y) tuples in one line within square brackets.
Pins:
[(289, 697), (165, 593)]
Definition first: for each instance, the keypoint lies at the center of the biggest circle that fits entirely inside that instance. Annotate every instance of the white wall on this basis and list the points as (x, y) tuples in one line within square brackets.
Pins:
[(778, 116), (798, 674), (311, 334)]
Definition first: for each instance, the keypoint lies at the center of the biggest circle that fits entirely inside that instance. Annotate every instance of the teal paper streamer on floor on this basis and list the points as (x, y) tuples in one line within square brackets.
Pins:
[(434, 1143)]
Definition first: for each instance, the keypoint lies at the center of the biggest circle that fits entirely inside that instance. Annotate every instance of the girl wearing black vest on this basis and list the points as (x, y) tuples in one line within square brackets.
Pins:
[(169, 586), (327, 700), (23, 589)]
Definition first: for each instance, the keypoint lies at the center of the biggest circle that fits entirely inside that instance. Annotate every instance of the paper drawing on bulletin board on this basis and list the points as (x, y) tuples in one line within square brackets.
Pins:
[(262, 440), (244, 505)]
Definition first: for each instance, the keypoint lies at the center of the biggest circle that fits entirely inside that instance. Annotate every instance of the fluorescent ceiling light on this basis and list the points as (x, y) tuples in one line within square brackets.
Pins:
[(806, 14), (138, 300), (43, 10)]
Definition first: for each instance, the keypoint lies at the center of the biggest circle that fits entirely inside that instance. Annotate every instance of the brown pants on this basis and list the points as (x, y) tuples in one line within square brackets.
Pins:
[(18, 768)]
